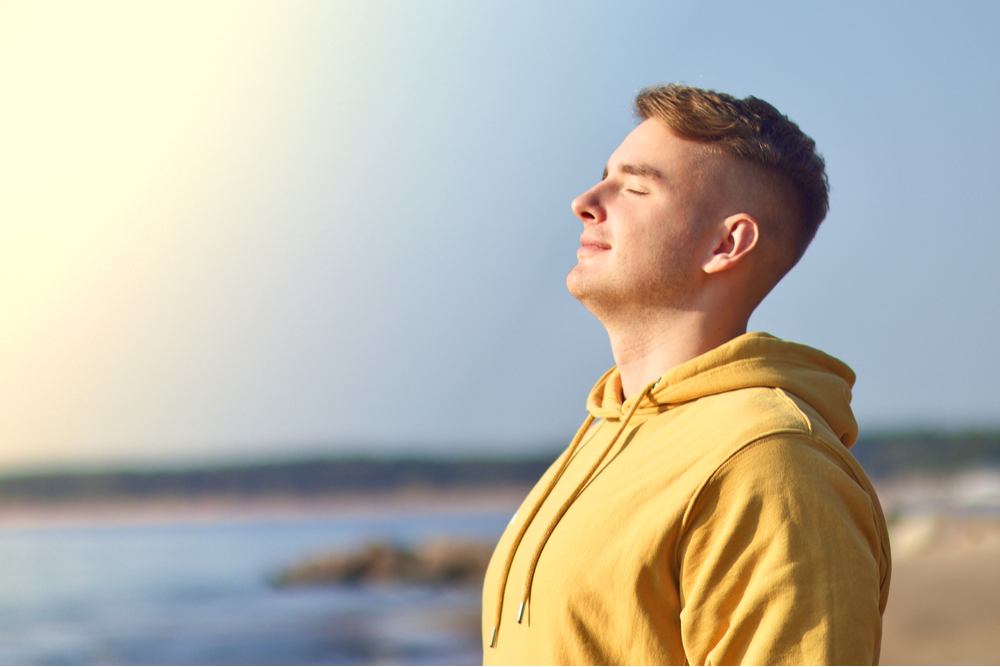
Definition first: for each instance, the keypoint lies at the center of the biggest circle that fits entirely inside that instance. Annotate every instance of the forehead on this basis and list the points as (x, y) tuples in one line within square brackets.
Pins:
[(653, 144)]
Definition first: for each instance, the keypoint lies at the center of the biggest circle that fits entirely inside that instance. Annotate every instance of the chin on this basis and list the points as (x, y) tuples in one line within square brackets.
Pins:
[(576, 282), (584, 286)]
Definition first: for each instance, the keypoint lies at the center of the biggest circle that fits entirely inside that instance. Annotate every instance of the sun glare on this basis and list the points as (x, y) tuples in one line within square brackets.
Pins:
[(105, 109)]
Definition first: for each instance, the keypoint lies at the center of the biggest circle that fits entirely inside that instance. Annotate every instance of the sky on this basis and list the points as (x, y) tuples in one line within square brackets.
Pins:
[(242, 230)]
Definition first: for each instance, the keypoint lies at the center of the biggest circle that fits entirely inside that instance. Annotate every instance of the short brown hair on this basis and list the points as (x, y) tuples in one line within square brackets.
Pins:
[(753, 131)]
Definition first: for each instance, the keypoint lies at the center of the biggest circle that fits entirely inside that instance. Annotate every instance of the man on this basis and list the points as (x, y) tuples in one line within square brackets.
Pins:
[(708, 511)]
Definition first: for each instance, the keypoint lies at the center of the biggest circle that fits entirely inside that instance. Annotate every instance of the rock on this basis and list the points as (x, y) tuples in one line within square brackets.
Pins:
[(454, 562), (437, 562)]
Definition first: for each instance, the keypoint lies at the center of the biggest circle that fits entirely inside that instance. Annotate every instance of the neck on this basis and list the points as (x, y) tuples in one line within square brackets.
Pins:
[(647, 347)]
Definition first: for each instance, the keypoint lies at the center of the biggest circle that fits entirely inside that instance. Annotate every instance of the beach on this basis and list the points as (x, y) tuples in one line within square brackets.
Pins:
[(944, 598)]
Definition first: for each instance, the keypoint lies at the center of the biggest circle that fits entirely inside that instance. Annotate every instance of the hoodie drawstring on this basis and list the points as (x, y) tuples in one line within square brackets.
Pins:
[(526, 592), (524, 527)]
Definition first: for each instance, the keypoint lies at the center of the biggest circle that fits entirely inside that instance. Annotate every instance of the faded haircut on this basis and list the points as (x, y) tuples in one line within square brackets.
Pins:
[(754, 132)]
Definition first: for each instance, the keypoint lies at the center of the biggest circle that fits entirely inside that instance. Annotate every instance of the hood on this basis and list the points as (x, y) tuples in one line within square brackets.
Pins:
[(751, 360)]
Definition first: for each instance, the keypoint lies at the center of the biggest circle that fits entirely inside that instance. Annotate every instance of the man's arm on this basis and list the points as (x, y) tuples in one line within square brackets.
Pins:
[(782, 560)]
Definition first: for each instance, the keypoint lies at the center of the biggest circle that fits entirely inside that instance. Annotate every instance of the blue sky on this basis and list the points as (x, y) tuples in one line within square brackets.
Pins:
[(268, 229)]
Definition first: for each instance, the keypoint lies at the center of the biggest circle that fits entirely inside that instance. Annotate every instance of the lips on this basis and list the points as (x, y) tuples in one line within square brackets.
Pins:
[(590, 242)]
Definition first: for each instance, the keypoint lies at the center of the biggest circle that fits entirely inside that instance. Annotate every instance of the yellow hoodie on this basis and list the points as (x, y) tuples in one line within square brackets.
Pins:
[(714, 518)]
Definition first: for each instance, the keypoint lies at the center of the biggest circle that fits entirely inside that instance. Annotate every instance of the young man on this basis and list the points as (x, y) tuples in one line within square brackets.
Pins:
[(708, 511)]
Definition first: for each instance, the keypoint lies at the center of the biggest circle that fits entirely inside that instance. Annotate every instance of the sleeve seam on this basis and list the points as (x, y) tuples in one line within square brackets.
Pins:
[(686, 518)]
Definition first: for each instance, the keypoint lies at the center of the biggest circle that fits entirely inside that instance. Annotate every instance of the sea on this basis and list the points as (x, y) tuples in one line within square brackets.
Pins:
[(186, 591), (199, 592)]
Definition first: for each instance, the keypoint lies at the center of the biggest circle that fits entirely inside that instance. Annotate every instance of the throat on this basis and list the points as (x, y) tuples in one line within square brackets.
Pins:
[(644, 354)]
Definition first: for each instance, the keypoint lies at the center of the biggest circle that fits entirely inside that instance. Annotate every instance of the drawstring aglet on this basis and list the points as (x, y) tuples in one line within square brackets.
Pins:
[(493, 639), (520, 613)]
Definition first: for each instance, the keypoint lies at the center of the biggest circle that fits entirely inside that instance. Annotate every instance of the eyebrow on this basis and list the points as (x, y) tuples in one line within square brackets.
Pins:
[(636, 170)]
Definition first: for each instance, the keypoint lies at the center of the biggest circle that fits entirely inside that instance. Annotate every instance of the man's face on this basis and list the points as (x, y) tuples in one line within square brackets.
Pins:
[(646, 224)]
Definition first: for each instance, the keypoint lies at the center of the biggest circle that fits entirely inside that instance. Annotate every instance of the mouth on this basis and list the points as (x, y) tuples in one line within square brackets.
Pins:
[(588, 242), (590, 246)]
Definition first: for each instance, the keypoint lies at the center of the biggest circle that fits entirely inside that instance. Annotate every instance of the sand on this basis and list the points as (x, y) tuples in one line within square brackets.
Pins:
[(944, 598)]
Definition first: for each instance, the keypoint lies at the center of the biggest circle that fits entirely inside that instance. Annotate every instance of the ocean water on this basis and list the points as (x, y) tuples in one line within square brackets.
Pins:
[(198, 593)]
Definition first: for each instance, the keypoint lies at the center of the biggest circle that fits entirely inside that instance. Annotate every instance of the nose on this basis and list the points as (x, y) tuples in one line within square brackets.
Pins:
[(588, 206)]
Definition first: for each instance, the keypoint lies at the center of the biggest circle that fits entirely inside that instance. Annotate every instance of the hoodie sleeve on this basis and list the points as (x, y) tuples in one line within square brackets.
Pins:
[(781, 560)]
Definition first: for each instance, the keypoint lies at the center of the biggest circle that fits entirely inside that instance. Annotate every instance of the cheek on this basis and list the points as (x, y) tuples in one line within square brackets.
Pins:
[(670, 251)]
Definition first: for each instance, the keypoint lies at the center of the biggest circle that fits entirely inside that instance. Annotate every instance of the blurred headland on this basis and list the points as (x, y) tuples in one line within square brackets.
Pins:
[(268, 489), (895, 453), (912, 471)]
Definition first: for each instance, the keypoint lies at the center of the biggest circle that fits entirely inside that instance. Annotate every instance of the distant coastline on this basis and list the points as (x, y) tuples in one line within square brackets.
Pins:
[(212, 509), (320, 486), (308, 478), (926, 452)]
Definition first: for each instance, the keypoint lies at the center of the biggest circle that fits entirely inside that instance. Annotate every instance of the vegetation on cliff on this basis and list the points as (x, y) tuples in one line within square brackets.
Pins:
[(882, 455)]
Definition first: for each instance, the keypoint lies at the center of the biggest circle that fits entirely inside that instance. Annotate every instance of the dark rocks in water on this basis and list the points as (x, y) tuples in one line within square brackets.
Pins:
[(436, 562)]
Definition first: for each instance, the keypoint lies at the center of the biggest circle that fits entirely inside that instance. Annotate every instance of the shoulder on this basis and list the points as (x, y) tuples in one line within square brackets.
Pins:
[(789, 467), (793, 496), (793, 492), (777, 442), (775, 464), (702, 440), (768, 543)]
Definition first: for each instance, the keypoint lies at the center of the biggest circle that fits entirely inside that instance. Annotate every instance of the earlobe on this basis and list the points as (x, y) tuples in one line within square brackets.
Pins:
[(738, 236)]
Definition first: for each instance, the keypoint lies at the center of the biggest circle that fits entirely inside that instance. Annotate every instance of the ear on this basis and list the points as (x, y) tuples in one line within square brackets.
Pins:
[(737, 236)]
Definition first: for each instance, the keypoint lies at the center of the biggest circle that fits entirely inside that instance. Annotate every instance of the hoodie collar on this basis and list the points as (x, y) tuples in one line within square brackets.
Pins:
[(751, 360)]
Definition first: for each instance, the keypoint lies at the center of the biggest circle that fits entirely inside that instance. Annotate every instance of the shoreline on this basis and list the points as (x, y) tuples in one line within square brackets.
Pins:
[(236, 509)]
